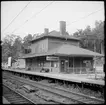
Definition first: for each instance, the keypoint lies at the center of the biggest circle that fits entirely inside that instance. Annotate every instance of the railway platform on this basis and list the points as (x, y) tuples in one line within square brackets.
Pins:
[(78, 78), (5, 101)]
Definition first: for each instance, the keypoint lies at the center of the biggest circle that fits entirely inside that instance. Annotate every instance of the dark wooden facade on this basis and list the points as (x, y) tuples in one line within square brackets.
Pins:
[(67, 64), (61, 45)]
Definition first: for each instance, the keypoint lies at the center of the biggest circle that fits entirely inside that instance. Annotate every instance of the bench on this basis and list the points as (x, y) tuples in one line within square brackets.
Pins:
[(44, 70)]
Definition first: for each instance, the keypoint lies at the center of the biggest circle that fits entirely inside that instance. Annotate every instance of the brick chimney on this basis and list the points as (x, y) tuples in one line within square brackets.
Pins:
[(46, 31), (62, 27)]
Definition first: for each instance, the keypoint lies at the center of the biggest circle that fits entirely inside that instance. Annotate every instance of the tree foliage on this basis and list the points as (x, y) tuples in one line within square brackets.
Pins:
[(15, 46), (91, 38), (26, 40), (7, 47), (11, 46), (26, 43)]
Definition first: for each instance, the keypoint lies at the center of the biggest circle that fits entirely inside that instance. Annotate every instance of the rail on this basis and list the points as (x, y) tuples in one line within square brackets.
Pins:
[(81, 98), (14, 97)]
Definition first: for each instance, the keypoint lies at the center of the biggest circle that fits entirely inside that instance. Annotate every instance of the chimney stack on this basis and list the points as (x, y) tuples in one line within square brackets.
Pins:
[(62, 27), (46, 31)]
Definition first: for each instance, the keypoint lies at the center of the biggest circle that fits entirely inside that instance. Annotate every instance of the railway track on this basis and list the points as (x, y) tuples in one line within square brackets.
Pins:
[(79, 98), (15, 98)]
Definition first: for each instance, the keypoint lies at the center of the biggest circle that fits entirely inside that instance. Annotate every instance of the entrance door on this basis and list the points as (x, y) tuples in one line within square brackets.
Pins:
[(62, 65)]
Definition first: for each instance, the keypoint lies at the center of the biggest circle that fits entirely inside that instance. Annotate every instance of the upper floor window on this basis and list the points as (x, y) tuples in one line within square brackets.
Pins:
[(42, 47), (27, 51)]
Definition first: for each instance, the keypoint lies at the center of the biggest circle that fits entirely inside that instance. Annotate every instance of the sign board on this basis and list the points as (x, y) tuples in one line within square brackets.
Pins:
[(9, 61), (52, 58)]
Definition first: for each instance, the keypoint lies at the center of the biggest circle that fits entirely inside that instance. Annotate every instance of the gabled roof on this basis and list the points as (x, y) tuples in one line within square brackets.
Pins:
[(55, 34), (66, 50)]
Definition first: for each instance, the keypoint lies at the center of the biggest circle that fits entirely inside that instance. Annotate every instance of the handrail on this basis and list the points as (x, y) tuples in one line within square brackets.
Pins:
[(79, 70)]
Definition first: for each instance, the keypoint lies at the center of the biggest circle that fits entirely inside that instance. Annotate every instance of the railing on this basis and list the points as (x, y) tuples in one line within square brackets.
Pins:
[(79, 70), (38, 69), (75, 70)]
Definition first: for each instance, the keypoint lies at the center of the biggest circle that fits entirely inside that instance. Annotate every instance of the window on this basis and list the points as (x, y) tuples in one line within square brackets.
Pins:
[(54, 64), (40, 64), (42, 47), (70, 62)]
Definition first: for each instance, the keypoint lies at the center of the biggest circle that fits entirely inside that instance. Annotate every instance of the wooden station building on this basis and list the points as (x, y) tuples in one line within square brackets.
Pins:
[(58, 52)]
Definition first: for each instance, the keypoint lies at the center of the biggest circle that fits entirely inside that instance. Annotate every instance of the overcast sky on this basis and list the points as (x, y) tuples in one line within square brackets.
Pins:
[(49, 17)]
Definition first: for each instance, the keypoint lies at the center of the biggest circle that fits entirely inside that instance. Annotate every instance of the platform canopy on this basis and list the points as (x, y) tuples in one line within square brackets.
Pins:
[(67, 50)]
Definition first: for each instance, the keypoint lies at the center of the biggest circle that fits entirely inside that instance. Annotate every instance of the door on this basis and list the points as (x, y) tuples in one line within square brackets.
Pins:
[(62, 65)]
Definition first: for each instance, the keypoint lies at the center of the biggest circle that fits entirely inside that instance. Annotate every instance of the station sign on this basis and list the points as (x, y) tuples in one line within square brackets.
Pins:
[(52, 58)]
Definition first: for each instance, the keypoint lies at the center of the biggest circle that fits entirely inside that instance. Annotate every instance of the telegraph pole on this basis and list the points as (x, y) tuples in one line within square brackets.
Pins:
[(95, 58)]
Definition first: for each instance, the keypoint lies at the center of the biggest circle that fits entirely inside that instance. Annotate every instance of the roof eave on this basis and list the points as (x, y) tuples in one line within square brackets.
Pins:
[(45, 36), (73, 55)]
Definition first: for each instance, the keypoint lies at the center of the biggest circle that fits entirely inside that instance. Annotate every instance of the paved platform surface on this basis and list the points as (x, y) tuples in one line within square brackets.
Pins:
[(68, 77), (5, 101)]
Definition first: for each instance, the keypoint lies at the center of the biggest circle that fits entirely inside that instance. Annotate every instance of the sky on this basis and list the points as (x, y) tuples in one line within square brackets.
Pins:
[(47, 14)]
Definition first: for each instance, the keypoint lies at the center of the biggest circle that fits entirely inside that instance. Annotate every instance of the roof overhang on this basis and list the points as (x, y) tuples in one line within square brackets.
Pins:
[(73, 55), (66, 50), (54, 36)]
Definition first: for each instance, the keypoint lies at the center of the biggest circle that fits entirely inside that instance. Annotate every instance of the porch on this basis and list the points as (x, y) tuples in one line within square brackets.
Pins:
[(76, 65), (72, 65), (70, 59)]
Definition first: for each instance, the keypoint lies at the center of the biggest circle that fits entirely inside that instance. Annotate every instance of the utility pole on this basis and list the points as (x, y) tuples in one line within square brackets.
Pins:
[(101, 46), (95, 58)]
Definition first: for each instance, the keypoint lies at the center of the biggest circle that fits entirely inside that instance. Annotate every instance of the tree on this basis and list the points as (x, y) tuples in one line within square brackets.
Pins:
[(26, 43), (99, 29), (11, 46), (27, 39), (87, 31), (36, 35), (17, 48), (88, 36), (99, 32), (7, 47)]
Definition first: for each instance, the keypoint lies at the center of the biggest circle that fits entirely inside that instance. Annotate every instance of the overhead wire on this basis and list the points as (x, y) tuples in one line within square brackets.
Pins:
[(83, 17), (86, 16), (32, 16), (43, 9), (16, 16)]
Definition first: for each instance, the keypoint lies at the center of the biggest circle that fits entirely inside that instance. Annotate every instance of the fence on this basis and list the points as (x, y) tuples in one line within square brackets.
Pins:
[(79, 70)]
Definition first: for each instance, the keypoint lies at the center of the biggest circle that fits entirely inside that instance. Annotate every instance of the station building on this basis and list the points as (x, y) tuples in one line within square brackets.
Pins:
[(59, 52)]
